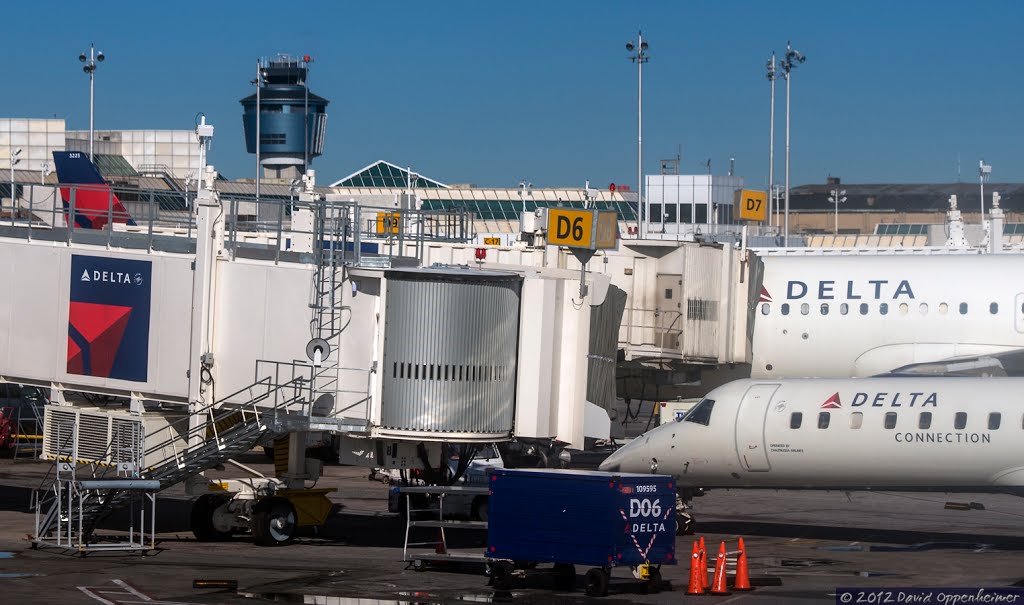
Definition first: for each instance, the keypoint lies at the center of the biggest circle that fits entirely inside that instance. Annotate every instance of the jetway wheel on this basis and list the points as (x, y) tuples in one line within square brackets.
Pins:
[(273, 522), (201, 518), (685, 523)]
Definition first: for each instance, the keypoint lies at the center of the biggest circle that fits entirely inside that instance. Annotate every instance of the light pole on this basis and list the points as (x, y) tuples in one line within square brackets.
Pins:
[(14, 161), (837, 197), (983, 171), (90, 68), (792, 59), (771, 75), (639, 56), (259, 84)]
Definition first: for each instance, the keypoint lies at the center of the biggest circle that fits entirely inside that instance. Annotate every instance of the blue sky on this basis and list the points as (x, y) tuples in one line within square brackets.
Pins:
[(495, 92)]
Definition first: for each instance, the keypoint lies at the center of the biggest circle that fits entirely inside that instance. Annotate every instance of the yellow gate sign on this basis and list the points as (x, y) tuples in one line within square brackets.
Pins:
[(590, 229), (492, 241), (388, 222), (753, 205)]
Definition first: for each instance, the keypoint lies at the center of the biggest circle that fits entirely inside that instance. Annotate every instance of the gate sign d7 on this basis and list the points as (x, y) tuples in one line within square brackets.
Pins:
[(589, 229), (753, 205)]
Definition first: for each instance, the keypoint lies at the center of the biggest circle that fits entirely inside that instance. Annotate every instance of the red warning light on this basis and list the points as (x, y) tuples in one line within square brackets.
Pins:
[(611, 187), (307, 58)]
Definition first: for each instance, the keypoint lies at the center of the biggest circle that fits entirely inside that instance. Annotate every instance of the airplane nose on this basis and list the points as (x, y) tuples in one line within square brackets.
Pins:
[(628, 458)]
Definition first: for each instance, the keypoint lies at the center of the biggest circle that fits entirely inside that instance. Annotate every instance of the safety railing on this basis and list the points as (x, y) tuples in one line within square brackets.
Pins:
[(652, 328)]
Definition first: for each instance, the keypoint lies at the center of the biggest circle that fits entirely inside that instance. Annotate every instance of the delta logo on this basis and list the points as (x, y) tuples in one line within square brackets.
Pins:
[(832, 403), (765, 296), (112, 277)]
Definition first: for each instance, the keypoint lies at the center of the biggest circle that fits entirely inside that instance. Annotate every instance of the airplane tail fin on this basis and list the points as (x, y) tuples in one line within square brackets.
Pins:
[(95, 204)]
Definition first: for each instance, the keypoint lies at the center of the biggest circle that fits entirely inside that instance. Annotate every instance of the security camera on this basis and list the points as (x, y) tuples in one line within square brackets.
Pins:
[(81, 57), (99, 56)]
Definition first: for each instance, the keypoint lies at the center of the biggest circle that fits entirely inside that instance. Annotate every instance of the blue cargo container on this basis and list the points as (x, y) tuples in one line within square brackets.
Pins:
[(587, 518)]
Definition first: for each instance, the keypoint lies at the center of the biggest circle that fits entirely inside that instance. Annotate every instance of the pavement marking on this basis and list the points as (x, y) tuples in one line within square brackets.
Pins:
[(126, 595)]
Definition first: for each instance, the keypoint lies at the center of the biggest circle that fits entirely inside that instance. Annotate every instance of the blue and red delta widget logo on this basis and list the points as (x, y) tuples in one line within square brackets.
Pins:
[(108, 319)]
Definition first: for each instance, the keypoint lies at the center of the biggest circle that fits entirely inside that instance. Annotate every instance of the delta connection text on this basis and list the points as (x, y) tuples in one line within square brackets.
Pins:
[(920, 400)]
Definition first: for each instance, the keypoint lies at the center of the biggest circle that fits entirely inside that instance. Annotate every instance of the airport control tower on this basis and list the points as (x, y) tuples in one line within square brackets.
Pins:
[(291, 120)]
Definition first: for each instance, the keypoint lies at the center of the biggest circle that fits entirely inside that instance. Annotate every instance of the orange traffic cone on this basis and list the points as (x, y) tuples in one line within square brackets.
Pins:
[(696, 585), (718, 585), (742, 575), (704, 565)]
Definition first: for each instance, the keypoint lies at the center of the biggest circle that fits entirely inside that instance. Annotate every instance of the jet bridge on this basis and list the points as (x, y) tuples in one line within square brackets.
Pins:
[(217, 330)]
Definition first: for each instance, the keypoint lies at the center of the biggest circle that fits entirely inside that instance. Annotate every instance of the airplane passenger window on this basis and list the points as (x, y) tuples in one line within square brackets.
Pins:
[(963, 308), (824, 308), (994, 419), (923, 308), (863, 308), (805, 308), (960, 420), (784, 308), (883, 308), (796, 419), (890, 420), (765, 308), (823, 420), (856, 420), (993, 308), (844, 309), (700, 413), (904, 308), (925, 421), (943, 308)]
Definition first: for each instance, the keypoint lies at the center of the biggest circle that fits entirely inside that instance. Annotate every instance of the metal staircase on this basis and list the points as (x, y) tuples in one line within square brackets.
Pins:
[(74, 506)]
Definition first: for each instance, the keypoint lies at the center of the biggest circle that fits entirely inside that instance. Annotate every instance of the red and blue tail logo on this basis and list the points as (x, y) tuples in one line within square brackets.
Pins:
[(95, 204)]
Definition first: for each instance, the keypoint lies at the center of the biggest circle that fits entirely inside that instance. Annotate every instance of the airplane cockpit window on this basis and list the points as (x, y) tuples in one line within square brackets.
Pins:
[(994, 420), (890, 420), (925, 421), (700, 413), (823, 420), (960, 420), (795, 420), (856, 420)]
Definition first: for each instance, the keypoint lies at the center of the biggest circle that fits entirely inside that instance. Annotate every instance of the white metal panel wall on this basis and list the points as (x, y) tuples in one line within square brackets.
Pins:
[(262, 313), (34, 305), (701, 309)]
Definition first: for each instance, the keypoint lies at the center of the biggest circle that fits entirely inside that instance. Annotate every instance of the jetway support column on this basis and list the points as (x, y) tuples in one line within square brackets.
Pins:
[(209, 245)]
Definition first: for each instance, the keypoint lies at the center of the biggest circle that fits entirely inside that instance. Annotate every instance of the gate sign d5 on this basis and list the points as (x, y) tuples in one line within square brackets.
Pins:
[(589, 229)]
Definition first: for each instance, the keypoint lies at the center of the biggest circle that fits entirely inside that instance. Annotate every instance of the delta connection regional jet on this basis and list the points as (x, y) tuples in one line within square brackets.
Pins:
[(939, 341)]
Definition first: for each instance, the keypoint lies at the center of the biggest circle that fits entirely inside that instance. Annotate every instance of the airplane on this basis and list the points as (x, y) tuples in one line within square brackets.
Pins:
[(843, 316), (95, 204), (897, 432)]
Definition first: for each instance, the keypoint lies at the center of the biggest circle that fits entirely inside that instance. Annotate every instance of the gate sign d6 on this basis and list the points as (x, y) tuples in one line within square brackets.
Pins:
[(581, 228), (753, 205)]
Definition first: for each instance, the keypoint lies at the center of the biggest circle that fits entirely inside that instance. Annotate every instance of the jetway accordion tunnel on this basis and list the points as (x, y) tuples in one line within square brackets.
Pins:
[(450, 353)]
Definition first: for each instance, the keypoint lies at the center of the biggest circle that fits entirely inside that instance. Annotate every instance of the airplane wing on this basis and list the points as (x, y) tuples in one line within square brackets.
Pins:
[(1008, 363)]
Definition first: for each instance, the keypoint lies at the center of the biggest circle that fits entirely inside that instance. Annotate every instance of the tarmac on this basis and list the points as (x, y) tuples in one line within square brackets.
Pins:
[(803, 546)]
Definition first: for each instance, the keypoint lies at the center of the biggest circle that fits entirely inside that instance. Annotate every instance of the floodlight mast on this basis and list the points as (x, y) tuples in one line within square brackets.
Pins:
[(772, 76), (639, 56), (837, 197), (792, 59)]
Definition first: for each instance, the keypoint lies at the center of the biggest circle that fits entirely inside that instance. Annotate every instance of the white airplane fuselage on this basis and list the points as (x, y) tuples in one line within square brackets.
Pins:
[(841, 316), (949, 434)]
